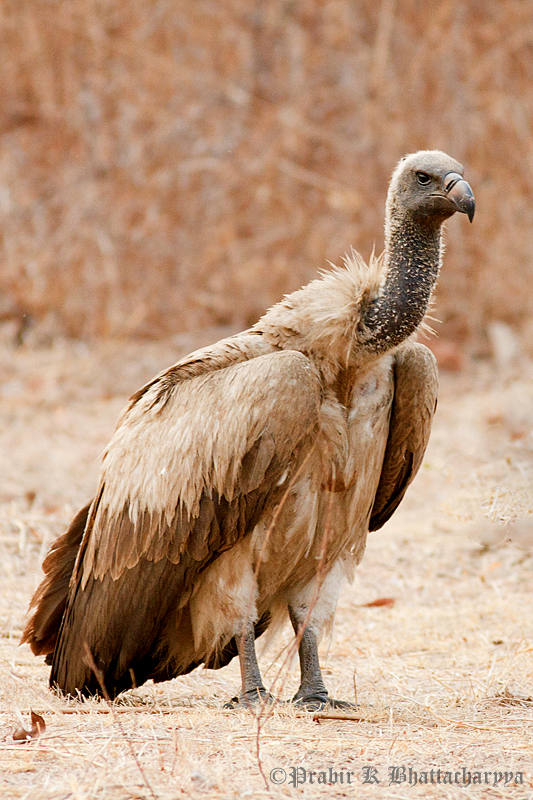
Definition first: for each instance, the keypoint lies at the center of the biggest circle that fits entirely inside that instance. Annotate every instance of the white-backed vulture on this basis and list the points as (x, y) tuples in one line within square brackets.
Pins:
[(237, 472)]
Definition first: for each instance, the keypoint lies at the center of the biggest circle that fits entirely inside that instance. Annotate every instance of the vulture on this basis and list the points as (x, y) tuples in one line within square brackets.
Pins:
[(240, 484)]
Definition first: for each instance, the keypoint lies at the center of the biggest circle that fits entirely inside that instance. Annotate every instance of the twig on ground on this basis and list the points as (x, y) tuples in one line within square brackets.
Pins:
[(319, 716)]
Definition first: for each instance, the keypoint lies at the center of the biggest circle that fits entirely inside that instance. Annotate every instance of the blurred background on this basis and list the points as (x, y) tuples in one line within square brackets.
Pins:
[(167, 166)]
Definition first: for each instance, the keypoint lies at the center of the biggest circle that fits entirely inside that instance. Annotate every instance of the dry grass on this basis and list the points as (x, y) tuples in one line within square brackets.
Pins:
[(170, 165), (443, 677)]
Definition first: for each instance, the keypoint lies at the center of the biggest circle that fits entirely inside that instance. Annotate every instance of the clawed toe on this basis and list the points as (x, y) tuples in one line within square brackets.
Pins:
[(249, 699), (320, 702), (341, 705)]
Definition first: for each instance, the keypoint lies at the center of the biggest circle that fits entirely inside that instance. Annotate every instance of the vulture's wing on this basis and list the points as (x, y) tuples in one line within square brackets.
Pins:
[(191, 468), (415, 400), (50, 599)]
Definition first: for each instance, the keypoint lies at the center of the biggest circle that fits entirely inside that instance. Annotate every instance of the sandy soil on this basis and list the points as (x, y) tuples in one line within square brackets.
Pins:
[(442, 675)]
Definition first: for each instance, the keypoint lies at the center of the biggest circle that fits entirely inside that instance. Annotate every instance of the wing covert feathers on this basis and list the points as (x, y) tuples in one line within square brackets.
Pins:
[(415, 400), (213, 437)]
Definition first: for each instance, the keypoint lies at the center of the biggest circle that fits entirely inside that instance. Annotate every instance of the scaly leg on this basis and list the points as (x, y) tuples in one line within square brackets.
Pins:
[(252, 691), (312, 693)]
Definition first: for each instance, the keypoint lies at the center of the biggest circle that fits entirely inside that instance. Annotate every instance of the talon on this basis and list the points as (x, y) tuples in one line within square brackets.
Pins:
[(249, 699), (342, 705), (319, 702), (311, 702), (233, 703)]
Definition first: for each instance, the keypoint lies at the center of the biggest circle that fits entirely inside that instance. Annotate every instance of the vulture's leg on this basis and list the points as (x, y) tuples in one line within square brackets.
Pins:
[(252, 691), (312, 693)]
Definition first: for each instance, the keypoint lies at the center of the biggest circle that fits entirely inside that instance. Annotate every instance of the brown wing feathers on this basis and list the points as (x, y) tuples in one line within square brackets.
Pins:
[(415, 399), (138, 561), (137, 625), (50, 599)]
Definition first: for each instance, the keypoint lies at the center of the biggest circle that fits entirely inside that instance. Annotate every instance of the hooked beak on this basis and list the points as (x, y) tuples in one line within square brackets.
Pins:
[(458, 192)]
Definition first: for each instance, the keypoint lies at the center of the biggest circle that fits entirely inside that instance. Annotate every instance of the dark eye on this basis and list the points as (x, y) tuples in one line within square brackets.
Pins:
[(423, 178)]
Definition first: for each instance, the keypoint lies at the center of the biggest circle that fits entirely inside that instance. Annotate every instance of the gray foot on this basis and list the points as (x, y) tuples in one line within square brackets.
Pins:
[(249, 699), (321, 701)]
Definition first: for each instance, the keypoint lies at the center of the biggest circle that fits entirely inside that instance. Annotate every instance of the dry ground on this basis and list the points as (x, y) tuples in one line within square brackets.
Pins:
[(443, 676)]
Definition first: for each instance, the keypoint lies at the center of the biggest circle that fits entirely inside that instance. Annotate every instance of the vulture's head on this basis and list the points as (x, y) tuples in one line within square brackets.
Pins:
[(430, 185)]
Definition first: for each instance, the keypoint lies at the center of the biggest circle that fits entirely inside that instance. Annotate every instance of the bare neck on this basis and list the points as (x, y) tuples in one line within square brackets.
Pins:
[(412, 262)]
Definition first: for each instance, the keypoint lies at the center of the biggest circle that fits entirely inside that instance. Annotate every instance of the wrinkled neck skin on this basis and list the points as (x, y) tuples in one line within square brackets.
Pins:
[(412, 262)]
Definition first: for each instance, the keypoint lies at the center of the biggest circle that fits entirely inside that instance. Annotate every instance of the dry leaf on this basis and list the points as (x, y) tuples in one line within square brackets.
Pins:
[(381, 601), (38, 726)]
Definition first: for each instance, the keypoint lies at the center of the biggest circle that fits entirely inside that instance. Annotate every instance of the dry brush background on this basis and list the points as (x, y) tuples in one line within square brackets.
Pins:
[(169, 165), (167, 171)]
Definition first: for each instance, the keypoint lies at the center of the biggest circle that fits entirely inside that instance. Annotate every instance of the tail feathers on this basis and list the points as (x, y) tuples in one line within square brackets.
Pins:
[(50, 599)]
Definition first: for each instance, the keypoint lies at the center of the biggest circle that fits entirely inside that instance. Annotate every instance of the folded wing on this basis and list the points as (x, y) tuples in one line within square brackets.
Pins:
[(190, 470), (415, 400)]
